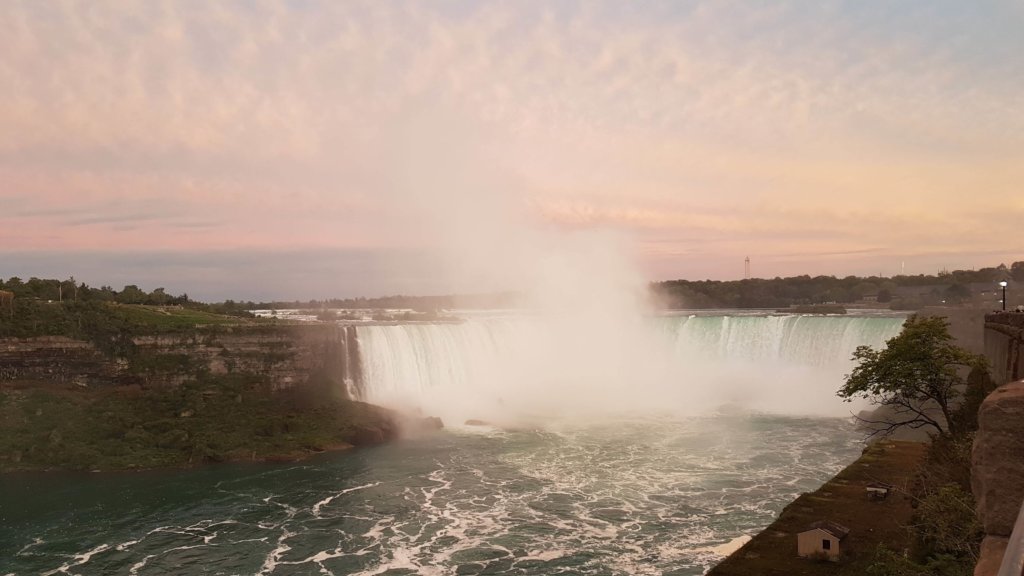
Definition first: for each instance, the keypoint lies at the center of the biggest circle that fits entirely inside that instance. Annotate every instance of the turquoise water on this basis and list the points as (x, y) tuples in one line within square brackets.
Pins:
[(650, 496)]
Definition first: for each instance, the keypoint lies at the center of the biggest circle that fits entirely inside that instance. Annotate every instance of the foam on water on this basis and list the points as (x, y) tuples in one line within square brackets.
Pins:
[(642, 496)]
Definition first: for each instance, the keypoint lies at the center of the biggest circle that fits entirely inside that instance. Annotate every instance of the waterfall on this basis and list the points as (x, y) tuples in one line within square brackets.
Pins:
[(794, 339), (489, 367)]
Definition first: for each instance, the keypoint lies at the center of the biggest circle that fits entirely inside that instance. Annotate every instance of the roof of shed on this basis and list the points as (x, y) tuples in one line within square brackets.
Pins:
[(835, 529)]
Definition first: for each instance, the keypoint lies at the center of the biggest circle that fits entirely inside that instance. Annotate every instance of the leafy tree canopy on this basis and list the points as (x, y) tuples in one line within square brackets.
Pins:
[(917, 376)]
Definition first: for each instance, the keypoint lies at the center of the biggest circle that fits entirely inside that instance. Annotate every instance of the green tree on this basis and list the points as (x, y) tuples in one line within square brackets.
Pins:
[(916, 377), (946, 523), (131, 294), (957, 293), (158, 297), (1017, 271)]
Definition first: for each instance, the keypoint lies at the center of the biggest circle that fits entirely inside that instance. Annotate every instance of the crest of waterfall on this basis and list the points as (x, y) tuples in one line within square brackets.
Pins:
[(516, 367)]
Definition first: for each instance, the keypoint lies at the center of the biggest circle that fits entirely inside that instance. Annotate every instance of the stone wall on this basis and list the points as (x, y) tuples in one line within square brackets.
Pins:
[(997, 461), (966, 325), (1004, 343), (285, 356)]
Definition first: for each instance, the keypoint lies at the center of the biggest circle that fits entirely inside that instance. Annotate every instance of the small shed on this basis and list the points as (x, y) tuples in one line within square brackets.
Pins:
[(821, 539), (878, 490)]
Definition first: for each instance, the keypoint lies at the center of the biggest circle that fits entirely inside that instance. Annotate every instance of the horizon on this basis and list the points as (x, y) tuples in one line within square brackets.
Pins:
[(301, 299), (310, 149)]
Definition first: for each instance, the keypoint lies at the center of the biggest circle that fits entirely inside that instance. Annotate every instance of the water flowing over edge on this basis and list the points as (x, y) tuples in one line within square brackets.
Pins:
[(531, 368)]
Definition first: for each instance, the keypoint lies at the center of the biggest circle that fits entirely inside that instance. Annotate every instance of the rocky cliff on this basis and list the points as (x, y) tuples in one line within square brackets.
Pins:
[(997, 470), (282, 355), (185, 396)]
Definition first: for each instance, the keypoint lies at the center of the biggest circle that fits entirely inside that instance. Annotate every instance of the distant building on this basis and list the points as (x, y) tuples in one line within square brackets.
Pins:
[(821, 540)]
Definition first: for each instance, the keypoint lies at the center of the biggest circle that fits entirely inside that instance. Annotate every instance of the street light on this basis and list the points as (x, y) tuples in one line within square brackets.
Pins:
[(1003, 284)]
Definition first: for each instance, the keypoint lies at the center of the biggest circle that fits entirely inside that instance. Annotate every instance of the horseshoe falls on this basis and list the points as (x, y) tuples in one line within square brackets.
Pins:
[(644, 446), (515, 367)]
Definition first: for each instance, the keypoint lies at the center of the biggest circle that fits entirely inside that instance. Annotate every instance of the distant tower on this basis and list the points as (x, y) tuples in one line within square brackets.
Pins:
[(746, 268)]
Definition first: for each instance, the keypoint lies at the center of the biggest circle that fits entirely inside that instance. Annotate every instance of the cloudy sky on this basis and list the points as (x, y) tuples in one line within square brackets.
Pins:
[(313, 149)]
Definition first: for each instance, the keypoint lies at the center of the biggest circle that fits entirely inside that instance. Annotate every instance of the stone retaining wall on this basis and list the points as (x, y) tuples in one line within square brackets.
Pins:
[(1004, 343)]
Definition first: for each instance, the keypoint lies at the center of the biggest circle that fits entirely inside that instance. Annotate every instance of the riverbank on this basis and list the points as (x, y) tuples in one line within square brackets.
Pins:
[(60, 427), (105, 386), (844, 500)]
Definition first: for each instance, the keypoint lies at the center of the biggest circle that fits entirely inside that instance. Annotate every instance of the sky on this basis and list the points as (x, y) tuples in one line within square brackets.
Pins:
[(308, 149)]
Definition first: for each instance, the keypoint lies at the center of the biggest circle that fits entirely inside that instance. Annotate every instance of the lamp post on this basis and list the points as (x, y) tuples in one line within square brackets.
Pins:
[(1003, 284)]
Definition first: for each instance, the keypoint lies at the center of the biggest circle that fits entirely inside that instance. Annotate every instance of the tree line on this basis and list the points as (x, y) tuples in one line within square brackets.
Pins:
[(50, 289), (953, 287)]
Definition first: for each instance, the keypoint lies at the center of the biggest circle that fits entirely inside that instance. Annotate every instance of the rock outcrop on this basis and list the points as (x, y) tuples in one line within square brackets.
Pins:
[(55, 359), (285, 356), (997, 469)]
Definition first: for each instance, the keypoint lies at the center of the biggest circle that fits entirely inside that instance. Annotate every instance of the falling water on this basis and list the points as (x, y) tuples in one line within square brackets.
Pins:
[(690, 364)]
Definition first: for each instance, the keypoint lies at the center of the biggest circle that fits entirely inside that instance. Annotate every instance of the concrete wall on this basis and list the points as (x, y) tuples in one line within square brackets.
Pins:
[(1004, 344), (966, 325)]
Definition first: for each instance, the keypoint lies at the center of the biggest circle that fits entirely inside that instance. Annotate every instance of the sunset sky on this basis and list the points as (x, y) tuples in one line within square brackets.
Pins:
[(310, 149)]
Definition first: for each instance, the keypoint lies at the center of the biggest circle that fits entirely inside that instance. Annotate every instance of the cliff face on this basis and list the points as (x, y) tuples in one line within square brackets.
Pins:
[(283, 356), (997, 470), (56, 359), (186, 396)]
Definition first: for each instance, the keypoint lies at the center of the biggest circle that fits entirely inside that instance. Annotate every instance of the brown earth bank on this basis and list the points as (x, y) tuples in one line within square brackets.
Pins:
[(843, 500)]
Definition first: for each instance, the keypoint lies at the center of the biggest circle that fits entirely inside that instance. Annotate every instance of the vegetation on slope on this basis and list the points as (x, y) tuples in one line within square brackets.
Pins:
[(916, 377), (842, 499), (208, 419), (109, 326), (945, 533)]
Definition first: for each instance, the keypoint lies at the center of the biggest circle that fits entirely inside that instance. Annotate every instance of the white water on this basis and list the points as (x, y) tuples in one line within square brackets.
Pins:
[(517, 368)]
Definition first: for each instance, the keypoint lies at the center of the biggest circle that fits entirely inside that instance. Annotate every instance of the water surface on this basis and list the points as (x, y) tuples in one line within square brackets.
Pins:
[(644, 496)]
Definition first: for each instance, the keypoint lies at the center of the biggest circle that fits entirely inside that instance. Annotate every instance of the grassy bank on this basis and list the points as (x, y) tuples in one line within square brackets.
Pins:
[(211, 419), (164, 409)]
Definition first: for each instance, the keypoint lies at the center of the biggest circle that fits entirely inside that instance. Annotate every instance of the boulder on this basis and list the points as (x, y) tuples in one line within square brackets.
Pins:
[(997, 460), (369, 436), (432, 423)]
